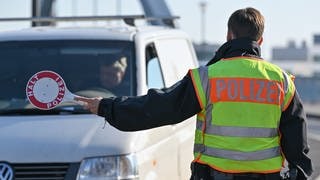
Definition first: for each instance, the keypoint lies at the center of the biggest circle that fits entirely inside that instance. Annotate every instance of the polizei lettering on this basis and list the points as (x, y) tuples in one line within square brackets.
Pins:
[(246, 89)]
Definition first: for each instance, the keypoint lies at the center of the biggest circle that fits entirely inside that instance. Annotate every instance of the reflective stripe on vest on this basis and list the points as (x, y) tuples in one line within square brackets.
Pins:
[(240, 156), (201, 94), (238, 131), (289, 88), (234, 92)]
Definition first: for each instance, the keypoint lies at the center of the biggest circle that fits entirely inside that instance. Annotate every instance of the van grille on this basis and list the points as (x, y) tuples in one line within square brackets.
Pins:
[(43, 171)]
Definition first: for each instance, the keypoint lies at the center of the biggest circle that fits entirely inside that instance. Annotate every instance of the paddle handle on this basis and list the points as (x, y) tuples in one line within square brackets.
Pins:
[(71, 97)]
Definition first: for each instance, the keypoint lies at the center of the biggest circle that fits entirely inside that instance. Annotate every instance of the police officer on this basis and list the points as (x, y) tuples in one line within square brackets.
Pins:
[(249, 114)]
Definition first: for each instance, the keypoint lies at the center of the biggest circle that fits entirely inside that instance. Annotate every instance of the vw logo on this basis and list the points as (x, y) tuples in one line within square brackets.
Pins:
[(6, 172)]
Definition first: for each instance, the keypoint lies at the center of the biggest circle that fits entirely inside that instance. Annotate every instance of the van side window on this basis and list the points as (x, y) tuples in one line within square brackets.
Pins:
[(154, 72), (176, 57)]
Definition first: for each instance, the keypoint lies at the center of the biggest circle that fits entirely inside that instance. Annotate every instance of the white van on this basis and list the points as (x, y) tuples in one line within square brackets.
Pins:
[(68, 142)]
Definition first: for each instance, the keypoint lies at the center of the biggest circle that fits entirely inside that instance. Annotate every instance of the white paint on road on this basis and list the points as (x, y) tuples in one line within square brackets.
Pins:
[(314, 136)]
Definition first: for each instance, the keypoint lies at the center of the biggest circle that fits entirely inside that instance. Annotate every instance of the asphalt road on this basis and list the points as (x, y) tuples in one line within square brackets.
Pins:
[(314, 141)]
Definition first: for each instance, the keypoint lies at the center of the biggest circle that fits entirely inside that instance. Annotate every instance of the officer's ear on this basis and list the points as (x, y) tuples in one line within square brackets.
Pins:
[(260, 40), (230, 35)]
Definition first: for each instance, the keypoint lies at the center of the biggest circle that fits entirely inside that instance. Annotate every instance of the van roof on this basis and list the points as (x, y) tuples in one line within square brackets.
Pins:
[(125, 33)]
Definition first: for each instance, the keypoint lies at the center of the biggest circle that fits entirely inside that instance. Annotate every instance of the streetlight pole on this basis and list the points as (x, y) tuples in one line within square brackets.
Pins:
[(95, 7), (203, 6), (118, 7)]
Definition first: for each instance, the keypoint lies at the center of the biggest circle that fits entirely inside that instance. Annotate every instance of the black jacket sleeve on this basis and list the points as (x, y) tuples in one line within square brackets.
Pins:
[(293, 129), (158, 107)]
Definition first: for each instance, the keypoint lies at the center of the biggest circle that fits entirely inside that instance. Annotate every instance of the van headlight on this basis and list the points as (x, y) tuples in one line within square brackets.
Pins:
[(109, 167)]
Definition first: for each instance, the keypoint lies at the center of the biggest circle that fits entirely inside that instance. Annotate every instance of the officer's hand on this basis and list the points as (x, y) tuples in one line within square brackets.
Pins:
[(91, 104)]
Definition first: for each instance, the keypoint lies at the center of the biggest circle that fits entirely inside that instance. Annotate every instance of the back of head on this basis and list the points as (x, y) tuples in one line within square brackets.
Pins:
[(247, 22)]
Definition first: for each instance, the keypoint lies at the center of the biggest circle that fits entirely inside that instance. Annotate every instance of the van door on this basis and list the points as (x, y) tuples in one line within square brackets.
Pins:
[(176, 57), (160, 155)]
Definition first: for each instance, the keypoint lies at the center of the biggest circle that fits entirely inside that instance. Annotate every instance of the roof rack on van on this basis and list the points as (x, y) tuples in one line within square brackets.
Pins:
[(128, 19)]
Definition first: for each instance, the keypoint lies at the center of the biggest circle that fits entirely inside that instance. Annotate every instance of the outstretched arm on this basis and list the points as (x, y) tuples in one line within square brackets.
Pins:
[(158, 107)]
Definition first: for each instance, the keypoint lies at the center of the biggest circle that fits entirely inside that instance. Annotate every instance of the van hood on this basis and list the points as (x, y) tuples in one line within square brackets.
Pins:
[(63, 138)]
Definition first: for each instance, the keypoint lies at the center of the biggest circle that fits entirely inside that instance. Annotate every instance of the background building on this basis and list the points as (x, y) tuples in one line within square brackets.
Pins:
[(292, 52), (315, 50), (294, 58)]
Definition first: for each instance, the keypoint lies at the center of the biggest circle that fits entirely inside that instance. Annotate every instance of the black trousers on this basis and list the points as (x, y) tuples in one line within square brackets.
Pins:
[(204, 172)]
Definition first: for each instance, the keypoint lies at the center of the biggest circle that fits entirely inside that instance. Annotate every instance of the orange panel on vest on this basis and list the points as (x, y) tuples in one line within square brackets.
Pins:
[(246, 90)]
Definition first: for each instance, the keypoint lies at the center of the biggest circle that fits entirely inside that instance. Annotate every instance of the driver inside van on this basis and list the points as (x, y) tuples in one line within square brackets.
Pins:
[(111, 74)]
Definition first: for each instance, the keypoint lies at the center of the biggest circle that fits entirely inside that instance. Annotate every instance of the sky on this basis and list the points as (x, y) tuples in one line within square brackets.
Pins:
[(286, 20)]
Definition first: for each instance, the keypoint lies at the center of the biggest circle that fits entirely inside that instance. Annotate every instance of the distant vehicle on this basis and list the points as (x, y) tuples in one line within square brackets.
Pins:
[(68, 142), (205, 52)]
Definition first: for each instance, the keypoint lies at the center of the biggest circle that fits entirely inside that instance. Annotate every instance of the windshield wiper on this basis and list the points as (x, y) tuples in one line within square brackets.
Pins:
[(55, 111)]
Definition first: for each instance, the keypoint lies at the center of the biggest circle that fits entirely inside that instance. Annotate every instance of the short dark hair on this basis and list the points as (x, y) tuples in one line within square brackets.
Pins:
[(247, 22)]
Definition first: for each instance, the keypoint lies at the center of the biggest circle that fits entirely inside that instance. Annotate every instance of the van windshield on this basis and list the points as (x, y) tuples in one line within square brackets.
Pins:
[(89, 68)]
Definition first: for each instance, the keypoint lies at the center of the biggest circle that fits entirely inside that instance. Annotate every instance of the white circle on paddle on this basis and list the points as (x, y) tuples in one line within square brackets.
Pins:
[(46, 90)]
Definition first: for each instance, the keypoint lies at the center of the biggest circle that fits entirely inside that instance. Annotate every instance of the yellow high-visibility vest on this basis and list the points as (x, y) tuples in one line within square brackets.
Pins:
[(242, 100)]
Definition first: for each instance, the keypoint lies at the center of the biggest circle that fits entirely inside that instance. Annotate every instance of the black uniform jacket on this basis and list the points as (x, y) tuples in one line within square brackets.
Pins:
[(172, 105)]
